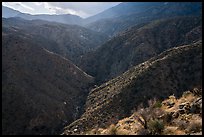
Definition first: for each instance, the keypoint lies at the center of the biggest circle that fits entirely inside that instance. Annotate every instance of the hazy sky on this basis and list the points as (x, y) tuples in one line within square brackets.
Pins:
[(83, 9)]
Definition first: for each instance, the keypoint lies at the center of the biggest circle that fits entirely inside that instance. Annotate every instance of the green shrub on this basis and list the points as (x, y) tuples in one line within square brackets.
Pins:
[(155, 126), (158, 104)]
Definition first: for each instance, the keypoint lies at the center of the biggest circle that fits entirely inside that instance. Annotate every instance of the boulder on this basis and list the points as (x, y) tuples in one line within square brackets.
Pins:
[(181, 106), (170, 104), (196, 106), (181, 111), (175, 115)]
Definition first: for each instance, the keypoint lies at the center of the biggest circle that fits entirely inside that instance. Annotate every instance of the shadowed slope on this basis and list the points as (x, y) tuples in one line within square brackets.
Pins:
[(41, 91), (171, 72)]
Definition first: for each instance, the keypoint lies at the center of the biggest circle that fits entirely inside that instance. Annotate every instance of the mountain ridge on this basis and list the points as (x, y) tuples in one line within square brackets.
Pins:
[(39, 93), (126, 91), (143, 12), (62, 18), (70, 41), (138, 44), (89, 76)]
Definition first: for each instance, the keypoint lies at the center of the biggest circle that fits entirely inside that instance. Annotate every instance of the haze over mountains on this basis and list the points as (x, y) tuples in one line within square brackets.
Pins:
[(130, 14), (70, 41), (120, 17), (62, 74), (67, 19)]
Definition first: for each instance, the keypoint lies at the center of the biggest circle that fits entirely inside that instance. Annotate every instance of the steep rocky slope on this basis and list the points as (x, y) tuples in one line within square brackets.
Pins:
[(127, 14), (70, 41), (139, 44), (41, 91), (172, 116), (171, 72)]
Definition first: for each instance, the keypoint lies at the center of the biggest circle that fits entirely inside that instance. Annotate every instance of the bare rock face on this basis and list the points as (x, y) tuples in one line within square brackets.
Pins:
[(196, 106)]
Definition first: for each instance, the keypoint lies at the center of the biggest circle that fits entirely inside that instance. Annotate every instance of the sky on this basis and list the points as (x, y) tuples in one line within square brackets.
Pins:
[(82, 9)]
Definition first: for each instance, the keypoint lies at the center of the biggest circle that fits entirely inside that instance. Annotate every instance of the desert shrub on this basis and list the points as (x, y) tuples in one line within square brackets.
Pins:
[(137, 108), (152, 102), (157, 113), (155, 126), (144, 115), (157, 104)]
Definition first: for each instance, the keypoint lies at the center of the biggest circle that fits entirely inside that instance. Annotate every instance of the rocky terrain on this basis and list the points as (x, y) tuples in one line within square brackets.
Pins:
[(133, 69), (139, 44), (173, 116), (171, 72), (41, 91)]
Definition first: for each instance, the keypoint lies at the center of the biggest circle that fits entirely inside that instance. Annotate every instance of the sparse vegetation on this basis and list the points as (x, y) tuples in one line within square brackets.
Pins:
[(155, 126), (158, 120), (157, 104), (116, 105), (51, 72)]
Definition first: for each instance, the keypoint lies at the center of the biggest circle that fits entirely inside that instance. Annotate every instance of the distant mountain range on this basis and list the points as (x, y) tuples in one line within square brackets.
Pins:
[(70, 41), (66, 18), (119, 17), (125, 15)]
